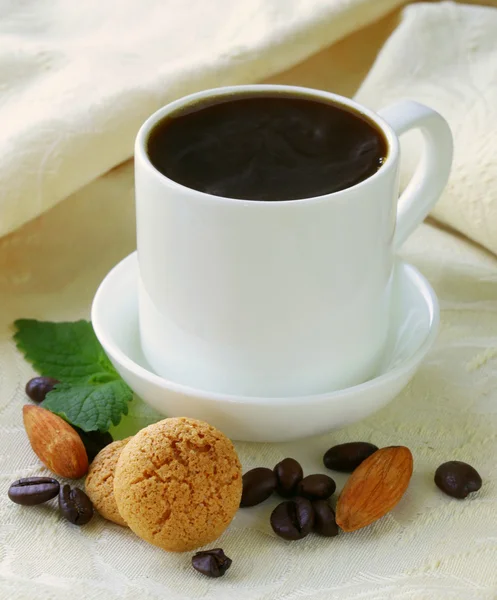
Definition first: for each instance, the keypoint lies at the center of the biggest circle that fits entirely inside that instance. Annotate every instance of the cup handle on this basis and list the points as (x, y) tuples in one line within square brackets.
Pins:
[(433, 170)]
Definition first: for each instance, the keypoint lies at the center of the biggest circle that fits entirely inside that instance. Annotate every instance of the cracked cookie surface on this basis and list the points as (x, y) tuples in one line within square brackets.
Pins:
[(99, 484), (178, 483)]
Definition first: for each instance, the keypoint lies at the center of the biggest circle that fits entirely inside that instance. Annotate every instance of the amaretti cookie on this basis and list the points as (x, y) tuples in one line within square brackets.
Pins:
[(178, 483), (99, 483)]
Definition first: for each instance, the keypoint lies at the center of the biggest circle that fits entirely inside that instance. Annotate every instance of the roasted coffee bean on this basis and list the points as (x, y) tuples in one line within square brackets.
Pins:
[(94, 441), (288, 475), (258, 485), (324, 519), (213, 563), (75, 505), (33, 490), (457, 479), (293, 519), (38, 387), (347, 457), (316, 487)]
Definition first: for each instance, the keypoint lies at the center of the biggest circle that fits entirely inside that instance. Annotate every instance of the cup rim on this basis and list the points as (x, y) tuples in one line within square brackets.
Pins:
[(141, 154)]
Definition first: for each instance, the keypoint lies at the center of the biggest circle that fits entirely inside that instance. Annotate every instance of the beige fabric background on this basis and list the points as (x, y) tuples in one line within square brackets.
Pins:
[(430, 546), (78, 79)]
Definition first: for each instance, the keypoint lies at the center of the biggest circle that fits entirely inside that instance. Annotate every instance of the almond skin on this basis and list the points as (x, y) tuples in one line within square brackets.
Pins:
[(55, 442), (374, 488)]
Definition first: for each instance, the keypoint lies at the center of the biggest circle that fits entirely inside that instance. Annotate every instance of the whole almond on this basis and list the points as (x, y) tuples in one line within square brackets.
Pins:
[(55, 442), (374, 488)]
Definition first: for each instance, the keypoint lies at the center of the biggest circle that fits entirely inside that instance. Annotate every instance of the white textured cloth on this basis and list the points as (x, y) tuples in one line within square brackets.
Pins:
[(430, 547), (446, 56), (77, 79)]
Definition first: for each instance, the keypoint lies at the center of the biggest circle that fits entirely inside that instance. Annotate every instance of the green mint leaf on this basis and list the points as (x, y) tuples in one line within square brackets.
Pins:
[(69, 352), (91, 394), (90, 407)]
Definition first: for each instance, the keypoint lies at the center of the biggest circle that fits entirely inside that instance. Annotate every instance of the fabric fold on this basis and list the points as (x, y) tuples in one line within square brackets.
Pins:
[(445, 55), (77, 80)]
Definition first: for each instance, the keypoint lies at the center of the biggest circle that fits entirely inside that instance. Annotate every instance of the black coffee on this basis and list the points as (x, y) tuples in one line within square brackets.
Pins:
[(266, 147)]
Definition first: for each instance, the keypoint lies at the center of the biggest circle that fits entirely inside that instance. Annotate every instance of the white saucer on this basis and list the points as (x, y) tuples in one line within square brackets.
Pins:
[(414, 324)]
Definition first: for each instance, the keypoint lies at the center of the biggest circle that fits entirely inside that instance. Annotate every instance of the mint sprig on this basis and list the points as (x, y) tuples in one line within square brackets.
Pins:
[(90, 407), (69, 352), (91, 395)]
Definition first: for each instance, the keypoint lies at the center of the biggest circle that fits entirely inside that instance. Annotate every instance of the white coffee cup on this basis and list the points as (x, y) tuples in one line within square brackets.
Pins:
[(278, 298)]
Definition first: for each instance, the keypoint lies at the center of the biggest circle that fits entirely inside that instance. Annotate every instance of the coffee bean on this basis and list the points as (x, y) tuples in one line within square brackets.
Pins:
[(457, 479), (293, 519), (33, 490), (258, 485), (38, 387), (324, 519), (94, 441), (288, 475), (75, 505), (347, 457), (316, 487), (213, 563)]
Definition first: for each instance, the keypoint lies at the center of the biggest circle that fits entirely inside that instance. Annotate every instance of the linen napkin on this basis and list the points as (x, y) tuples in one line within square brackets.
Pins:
[(445, 55), (77, 79)]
